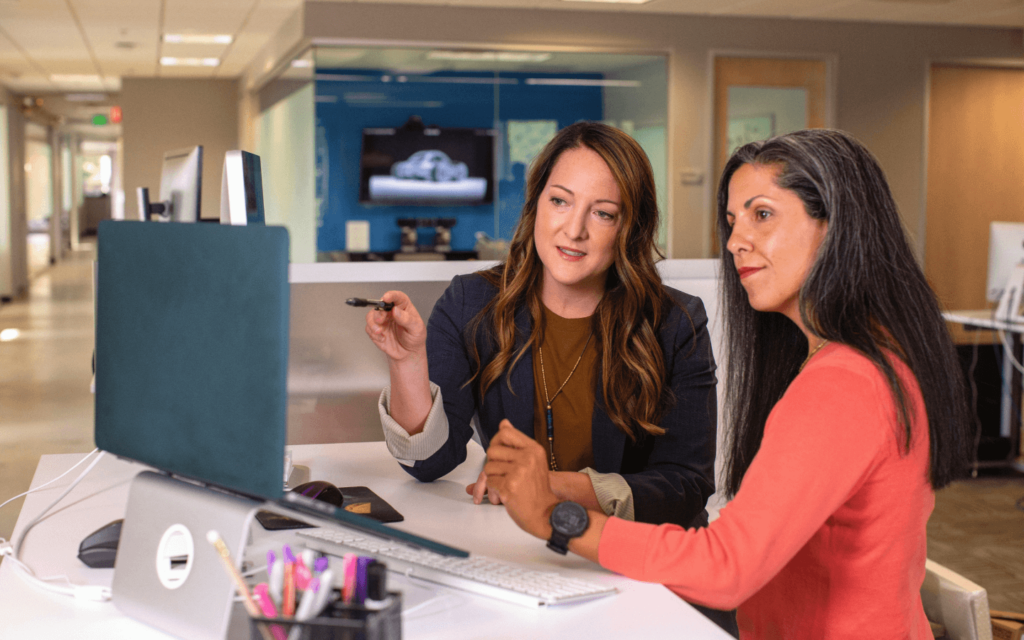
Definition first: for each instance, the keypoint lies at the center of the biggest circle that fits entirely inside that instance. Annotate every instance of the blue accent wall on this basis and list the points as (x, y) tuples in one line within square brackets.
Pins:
[(348, 101)]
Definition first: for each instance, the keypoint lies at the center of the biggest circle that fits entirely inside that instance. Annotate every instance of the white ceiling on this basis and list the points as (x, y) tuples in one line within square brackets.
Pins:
[(108, 39)]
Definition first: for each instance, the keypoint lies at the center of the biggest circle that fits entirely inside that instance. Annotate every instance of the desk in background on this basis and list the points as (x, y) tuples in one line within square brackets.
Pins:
[(981, 319), (439, 510)]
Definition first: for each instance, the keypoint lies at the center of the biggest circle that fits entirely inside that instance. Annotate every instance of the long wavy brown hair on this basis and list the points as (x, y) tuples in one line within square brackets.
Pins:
[(634, 304)]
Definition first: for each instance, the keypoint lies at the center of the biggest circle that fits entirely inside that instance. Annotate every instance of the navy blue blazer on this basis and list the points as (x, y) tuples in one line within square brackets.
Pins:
[(671, 475)]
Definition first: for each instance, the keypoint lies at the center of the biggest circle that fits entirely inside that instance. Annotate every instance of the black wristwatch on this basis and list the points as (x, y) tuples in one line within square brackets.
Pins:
[(568, 520)]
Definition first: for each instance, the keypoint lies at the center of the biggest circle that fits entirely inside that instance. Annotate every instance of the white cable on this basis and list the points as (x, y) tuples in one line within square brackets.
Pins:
[(1008, 348), (974, 403), (45, 484), (12, 551)]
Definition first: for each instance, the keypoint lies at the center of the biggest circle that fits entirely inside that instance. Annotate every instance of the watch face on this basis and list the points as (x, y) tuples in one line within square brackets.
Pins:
[(570, 519)]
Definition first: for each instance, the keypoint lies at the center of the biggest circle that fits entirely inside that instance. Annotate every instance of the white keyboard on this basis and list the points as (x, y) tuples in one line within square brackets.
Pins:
[(476, 574)]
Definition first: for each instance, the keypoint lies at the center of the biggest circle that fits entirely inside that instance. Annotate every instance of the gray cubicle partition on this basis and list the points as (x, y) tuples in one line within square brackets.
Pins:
[(335, 374)]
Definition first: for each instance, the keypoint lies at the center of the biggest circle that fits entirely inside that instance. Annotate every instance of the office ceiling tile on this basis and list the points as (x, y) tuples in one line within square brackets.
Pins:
[(270, 15), (142, 67), (1006, 13), (241, 53), (47, 31), (205, 16), (123, 37)]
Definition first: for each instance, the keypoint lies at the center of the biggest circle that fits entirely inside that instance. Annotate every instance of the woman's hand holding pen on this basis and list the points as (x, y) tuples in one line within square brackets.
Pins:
[(399, 333)]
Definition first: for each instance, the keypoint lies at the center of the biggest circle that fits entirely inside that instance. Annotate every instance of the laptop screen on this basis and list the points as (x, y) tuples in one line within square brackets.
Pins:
[(192, 350)]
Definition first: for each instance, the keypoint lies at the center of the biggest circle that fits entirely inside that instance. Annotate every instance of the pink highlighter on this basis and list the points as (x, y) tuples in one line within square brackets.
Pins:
[(261, 593), (302, 574), (348, 572)]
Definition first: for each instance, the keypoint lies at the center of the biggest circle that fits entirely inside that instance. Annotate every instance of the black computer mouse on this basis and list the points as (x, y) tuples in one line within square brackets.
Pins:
[(321, 490), (99, 549)]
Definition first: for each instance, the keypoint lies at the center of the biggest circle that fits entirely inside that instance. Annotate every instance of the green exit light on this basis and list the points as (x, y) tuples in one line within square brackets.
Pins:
[(99, 119)]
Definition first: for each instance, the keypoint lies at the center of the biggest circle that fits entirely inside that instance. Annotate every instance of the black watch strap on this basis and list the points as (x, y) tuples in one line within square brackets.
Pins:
[(568, 520), (559, 543)]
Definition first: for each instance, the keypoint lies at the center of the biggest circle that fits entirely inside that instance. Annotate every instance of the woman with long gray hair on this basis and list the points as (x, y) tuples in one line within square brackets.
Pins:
[(844, 403)]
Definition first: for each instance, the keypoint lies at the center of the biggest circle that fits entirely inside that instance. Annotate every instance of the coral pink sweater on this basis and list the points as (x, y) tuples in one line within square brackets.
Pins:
[(826, 537)]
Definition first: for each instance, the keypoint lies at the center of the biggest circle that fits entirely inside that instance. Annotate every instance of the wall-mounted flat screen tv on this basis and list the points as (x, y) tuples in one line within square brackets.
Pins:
[(430, 166)]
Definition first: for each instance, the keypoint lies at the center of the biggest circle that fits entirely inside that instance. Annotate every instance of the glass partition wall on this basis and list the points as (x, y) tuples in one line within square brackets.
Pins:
[(421, 153)]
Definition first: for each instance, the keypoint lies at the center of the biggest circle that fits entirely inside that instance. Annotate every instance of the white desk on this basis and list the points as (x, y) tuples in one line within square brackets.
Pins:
[(1011, 396), (440, 510)]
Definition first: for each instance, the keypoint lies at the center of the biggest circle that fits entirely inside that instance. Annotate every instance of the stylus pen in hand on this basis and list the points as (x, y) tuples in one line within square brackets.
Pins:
[(363, 302)]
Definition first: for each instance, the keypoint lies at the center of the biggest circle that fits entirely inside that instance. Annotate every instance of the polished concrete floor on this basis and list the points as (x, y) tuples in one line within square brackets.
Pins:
[(977, 528), (45, 372)]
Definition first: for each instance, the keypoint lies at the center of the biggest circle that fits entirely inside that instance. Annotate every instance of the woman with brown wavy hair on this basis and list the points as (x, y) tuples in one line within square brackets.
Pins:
[(573, 339)]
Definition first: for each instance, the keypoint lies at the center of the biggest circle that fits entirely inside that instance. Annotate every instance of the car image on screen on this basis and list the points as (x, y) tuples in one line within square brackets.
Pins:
[(431, 165)]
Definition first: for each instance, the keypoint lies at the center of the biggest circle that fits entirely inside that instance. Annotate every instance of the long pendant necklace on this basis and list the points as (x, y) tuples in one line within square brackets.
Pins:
[(811, 355), (550, 415)]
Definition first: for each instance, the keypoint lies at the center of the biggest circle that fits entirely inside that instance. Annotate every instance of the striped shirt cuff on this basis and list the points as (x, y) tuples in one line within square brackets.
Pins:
[(408, 449), (613, 493)]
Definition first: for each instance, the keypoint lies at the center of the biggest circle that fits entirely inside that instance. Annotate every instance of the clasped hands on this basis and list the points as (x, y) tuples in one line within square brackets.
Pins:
[(516, 474)]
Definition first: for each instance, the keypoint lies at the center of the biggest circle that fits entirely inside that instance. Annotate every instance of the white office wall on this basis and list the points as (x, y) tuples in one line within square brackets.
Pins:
[(13, 225), (6, 281), (285, 144), (880, 69), (38, 173)]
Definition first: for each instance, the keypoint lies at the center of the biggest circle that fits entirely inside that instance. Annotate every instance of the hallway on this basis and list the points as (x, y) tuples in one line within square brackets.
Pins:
[(45, 373)]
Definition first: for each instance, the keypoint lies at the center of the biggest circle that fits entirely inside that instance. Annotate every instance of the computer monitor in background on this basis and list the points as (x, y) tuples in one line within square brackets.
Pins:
[(180, 188), (1005, 251), (241, 190)]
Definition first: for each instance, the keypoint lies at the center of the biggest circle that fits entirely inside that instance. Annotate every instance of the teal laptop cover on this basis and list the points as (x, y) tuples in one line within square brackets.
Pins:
[(192, 350)]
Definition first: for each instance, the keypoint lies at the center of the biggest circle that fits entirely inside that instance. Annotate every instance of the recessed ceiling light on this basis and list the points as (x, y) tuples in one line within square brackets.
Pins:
[(9, 334), (198, 38), (73, 77), (490, 56), (169, 61), (302, 63)]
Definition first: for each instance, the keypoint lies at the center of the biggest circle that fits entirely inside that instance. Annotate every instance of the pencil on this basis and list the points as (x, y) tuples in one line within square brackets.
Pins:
[(243, 590)]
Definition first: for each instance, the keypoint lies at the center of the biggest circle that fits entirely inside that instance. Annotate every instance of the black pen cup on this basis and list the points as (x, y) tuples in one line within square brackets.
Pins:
[(338, 621)]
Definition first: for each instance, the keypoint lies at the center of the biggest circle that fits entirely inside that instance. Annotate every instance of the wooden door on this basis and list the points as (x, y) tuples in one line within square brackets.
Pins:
[(733, 72), (975, 177)]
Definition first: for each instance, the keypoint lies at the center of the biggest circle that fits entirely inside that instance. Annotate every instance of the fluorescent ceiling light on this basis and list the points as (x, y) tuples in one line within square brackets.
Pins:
[(73, 77), (302, 63), (198, 38), (168, 61), (453, 80), (583, 82), (85, 97), (490, 56), (9, 334)]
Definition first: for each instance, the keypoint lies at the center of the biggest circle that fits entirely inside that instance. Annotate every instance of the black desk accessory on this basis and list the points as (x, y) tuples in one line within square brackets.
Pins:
[(358, 500), (98, 550)]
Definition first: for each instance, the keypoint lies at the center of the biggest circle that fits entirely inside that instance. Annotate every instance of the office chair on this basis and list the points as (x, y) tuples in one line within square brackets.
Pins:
[(956, 603)]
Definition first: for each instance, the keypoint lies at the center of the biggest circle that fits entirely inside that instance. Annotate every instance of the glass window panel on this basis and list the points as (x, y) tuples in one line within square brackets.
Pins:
[(521, 97), (758, 113)]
